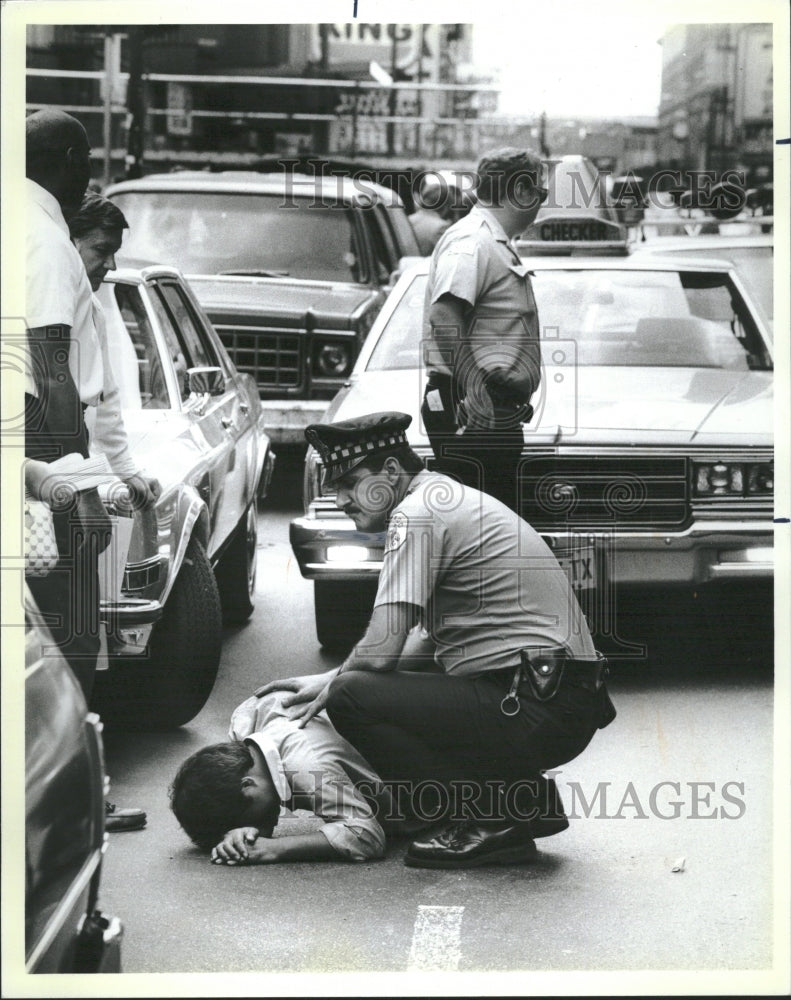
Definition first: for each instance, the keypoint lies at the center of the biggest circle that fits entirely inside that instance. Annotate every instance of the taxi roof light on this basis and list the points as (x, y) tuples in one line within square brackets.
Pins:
[(574, 233)]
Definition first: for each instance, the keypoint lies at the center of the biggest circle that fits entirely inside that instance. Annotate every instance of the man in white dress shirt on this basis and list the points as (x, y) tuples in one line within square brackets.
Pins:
[(67, 374)]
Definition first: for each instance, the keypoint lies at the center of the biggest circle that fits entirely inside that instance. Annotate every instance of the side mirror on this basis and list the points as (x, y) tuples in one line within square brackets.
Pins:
[(204, 381)]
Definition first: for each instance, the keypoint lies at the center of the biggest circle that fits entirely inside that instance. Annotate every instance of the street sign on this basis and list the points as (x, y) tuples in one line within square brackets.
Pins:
[(412, 49)]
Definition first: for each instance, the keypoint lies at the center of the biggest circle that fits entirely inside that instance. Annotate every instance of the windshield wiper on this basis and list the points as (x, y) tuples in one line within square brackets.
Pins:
[(256, 272)]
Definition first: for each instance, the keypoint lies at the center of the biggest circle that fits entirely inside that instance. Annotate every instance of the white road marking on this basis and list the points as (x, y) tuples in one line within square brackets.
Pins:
[(436, 939)]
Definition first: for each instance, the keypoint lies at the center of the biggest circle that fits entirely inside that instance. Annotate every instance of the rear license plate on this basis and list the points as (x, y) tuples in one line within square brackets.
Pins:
[(579, 565)]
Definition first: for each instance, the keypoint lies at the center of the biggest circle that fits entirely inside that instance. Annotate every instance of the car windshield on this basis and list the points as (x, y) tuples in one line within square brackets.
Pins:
[(133, 348), (617, 318), (753, 264), (204, 232)]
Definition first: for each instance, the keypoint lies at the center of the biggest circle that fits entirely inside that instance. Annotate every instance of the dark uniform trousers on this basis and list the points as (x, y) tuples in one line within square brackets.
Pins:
[(68, 596), (485, 460), (424, 730)]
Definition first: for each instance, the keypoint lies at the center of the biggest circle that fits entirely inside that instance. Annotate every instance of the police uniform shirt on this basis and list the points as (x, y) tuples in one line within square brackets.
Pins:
[(486, 583), (475, 261), (58, 292)]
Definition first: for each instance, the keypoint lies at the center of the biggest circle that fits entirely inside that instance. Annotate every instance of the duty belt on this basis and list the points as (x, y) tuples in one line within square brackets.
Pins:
[(541, 672)]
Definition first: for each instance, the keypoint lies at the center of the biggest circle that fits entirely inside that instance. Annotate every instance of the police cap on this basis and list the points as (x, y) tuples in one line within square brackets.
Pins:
[(348, 443)]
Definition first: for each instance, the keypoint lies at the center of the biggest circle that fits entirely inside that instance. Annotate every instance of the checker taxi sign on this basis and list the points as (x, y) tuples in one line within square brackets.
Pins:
[(573, 229)]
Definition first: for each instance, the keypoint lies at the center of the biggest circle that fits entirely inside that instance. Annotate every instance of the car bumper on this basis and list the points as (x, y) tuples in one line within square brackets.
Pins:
[(707, 552), (285, 421), (128, 624)]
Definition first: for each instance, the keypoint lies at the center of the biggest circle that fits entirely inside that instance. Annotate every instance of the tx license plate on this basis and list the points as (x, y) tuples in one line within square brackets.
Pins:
[(580, 566)]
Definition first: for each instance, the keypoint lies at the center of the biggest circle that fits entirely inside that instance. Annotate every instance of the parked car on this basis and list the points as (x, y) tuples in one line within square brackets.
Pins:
[(292, 270), (649, 459), (196, 424), (65, 840), (751, 255)]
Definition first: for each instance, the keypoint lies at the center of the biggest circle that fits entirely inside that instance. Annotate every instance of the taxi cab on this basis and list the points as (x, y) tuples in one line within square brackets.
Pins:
[(648, 461)]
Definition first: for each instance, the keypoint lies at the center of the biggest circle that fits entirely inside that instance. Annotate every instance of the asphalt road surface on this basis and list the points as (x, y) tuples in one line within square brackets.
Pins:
[(681, 780)]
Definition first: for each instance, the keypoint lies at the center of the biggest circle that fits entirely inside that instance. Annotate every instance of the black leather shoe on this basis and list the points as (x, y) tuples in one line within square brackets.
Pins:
[(467, 844), (116, 819)]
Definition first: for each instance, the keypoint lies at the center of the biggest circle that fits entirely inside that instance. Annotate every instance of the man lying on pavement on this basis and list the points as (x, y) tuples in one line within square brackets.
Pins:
[(228, 797)]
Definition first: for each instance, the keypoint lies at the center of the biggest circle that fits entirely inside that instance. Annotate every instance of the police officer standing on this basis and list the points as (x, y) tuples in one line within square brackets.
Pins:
[(519, 688), (480, 329)]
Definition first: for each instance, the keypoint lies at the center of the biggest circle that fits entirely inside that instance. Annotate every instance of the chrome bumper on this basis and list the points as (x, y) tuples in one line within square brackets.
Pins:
[(129, 623), (313, 541), (706, 552), (285, 421)]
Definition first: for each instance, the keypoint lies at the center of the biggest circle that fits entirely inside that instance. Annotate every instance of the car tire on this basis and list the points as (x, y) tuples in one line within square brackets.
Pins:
[(343, 610), (169, 686), (236, 570)]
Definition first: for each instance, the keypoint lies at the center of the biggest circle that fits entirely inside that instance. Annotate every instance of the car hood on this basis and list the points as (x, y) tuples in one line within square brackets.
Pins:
[(605, 406), (330, 303)]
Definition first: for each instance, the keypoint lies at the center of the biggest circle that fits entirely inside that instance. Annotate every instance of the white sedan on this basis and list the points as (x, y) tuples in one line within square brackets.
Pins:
[(649, 459)]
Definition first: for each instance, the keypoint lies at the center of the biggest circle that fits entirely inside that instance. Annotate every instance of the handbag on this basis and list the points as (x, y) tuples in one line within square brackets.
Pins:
[(41, 546)]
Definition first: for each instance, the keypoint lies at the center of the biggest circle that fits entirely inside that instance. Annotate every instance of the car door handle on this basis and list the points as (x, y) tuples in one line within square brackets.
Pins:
[(228, 423)]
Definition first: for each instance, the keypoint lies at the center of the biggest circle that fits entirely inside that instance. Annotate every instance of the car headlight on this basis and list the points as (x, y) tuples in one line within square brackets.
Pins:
[(733, 479), (761, 478), (347, 553), (333, 359)]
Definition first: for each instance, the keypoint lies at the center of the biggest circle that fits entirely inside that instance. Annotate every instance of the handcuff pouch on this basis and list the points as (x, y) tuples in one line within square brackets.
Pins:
[(542, 668)]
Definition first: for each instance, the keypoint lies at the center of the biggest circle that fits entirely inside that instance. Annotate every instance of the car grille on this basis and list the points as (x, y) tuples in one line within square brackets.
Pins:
[(582, 493), (273, 357)]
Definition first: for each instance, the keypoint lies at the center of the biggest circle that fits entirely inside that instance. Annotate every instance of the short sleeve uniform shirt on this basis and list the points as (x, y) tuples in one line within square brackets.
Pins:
[(476, 262), (486, 583)]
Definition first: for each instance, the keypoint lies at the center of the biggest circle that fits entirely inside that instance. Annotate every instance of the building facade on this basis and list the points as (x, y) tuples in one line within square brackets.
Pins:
[(302, 88), (716, 106)]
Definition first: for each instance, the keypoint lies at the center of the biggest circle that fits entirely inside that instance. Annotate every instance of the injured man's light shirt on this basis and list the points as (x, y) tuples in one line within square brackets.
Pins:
[(316, 769)]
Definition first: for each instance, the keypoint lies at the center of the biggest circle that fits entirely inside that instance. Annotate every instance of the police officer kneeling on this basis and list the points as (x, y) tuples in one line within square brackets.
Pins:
[(520, 688)]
